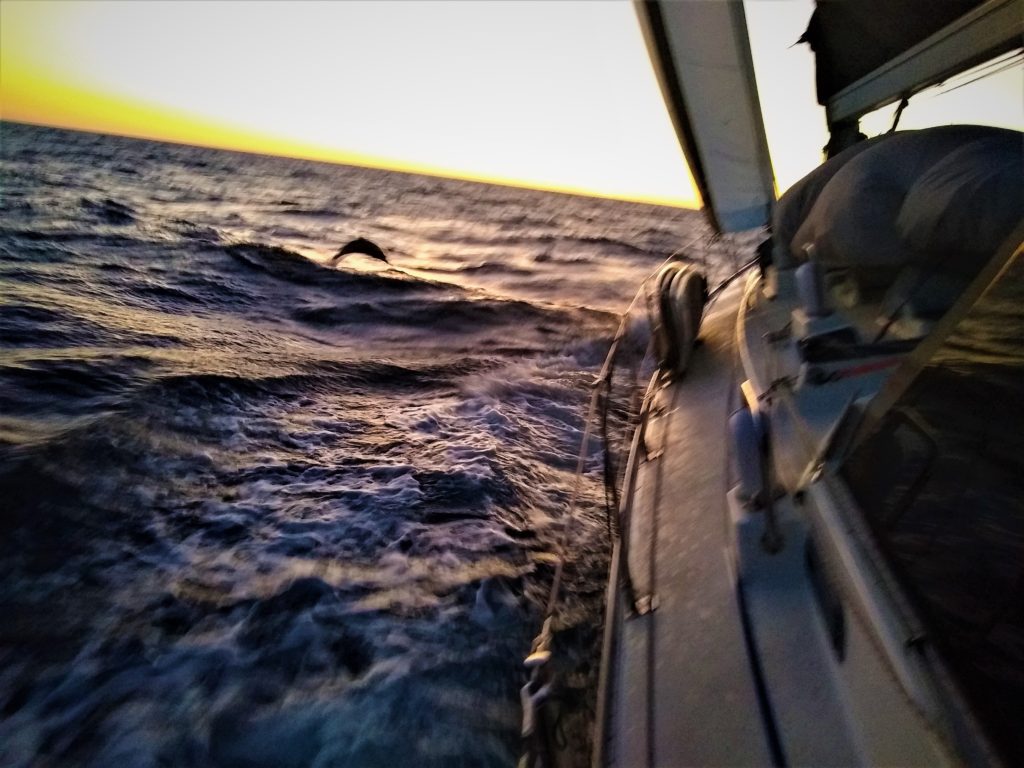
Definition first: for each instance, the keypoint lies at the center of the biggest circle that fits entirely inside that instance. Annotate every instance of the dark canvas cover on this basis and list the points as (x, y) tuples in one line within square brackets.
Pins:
[(850, 38)]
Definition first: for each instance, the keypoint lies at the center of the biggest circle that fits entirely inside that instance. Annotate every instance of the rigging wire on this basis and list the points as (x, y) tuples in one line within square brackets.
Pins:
[(1008, 65), (994, 67), (999, 64), (720, 288)]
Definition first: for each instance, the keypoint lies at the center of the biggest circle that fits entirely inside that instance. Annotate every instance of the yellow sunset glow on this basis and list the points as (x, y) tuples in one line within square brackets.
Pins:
[(493, 91), (555, 95)]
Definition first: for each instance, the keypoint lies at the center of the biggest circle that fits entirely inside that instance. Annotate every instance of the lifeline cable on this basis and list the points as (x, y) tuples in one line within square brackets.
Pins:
[(604, 378), (720, 288), (538, 687)]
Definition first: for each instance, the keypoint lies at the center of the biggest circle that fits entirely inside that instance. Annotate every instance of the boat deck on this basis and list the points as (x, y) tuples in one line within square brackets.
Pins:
[(683, 690)]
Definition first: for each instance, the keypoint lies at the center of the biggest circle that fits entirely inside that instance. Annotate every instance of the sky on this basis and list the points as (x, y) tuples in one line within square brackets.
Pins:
[(557, 95)]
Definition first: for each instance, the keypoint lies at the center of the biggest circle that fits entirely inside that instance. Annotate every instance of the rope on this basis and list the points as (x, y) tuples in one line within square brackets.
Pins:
[(899, 113)]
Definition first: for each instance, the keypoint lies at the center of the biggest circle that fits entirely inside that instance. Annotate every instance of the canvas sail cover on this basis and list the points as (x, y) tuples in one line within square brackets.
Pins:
[(851, 39), (702, 59)]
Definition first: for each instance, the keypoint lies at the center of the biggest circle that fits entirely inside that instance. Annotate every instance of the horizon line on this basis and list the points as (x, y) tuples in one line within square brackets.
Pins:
[(317, 155)]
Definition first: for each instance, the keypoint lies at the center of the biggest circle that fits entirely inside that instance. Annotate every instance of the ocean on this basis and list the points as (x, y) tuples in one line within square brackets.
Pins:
[(265, 507)]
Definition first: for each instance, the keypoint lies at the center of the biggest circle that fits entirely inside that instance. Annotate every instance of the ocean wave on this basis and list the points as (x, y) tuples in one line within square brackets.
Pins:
[(61, 234), (453, 316), (546, 257), (27, 325), (193, 231), (68, 385), (261, 511), (313, 212), (483, 268), (322, 376), (109, 211), (293, 267), (11, 205), (165, 293), (614, 242)]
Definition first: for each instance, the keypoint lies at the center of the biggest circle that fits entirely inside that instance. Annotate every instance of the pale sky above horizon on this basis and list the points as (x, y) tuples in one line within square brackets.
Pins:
[(551, 94)]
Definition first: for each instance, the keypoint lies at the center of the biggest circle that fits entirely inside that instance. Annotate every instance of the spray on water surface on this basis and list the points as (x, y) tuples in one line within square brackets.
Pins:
[(267, 507)]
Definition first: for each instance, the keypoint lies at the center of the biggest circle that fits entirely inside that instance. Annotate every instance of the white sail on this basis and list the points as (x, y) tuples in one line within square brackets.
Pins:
[(702, 58)]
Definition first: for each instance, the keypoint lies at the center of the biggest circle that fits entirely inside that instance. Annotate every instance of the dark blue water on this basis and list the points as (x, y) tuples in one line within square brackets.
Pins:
[(259, 509)]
